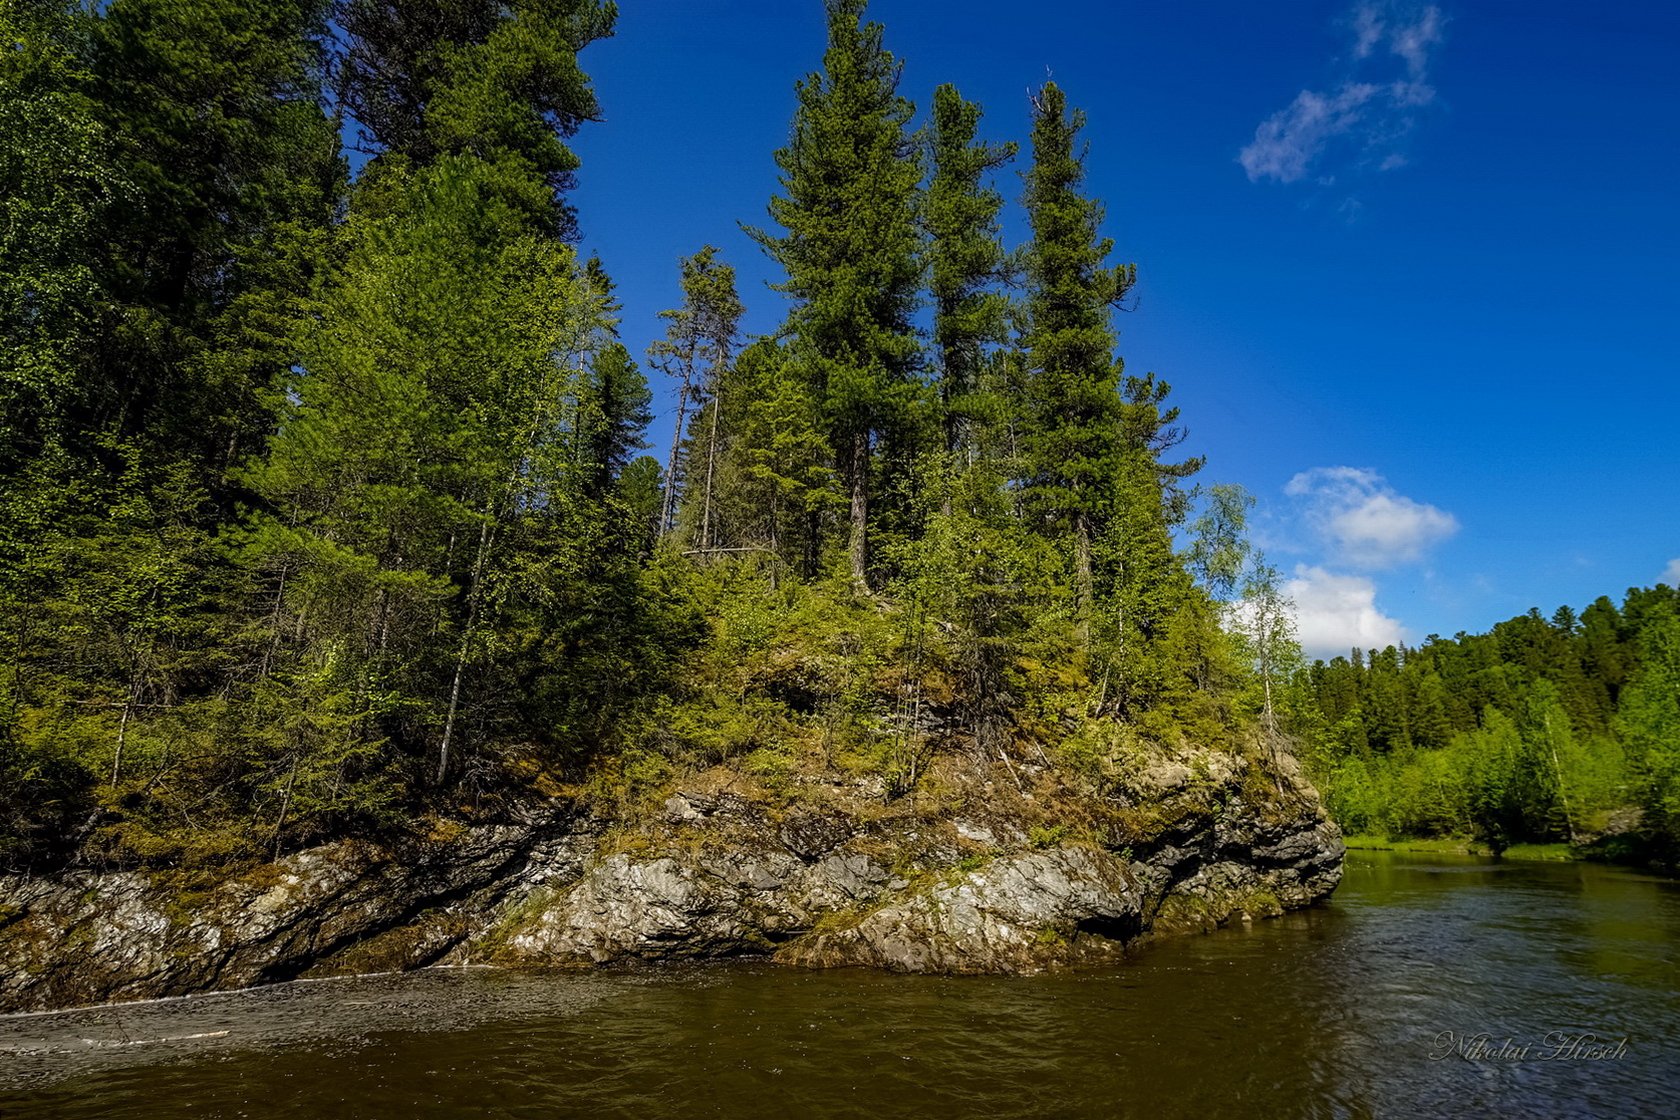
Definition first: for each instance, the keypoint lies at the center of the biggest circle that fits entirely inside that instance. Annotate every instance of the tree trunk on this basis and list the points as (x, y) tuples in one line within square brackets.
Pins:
[(484, 539), (1085, 589), (859, 545), (1563, 793), (122, 726), (711, 467), (671, 472)]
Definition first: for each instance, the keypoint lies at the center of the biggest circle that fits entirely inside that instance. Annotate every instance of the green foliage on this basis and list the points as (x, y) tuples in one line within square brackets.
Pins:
[(1648, 719), (851, 251), (321, 504), (57, 178), (1220, 548), (983, 577), (697, 349), (213, 110), (1071, 445), (1051, 837), (772, 478), (431, 79), (966, 261), (1541, 730)]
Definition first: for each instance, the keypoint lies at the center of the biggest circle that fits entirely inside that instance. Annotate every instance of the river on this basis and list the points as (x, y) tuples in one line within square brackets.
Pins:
[(1431, 986)]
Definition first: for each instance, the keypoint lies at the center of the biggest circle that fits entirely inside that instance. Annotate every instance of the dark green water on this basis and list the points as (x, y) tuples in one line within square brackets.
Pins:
[(1336, 1012)]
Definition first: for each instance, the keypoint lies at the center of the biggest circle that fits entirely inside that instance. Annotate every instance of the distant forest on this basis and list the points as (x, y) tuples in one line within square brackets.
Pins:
[(326, 506), (1543, 729)]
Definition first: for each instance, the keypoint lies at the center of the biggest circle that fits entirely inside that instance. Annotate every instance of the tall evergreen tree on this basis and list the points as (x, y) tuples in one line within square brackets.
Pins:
[(850, 250), (965, 261), (1145, 587), (214, 108), (57, 178), (425, 79), (764, 432), (1072, 442), (173, 270)]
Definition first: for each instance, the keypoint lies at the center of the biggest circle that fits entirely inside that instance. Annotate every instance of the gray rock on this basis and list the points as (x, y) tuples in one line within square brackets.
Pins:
[(810, 836), (89, 938), (624, 907), (1004, 917), (713, 875)]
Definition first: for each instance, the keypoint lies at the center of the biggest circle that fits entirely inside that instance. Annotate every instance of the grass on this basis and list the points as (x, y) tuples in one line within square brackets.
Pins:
[(1459, 845)]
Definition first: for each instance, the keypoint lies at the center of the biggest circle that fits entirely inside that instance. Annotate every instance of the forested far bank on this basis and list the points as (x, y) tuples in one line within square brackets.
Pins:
[(1561, 729)]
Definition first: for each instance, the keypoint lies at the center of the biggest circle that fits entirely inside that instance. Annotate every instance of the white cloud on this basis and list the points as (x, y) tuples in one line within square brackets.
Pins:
[(1368, 524), (1671, 574), (1369, 111), (1413, 41), (1335, 612), (1368, 29), (1287, 142)]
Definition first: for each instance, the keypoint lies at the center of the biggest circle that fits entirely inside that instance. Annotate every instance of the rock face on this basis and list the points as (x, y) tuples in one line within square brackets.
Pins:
[(1002, 917), (95, 938), (978, 883)]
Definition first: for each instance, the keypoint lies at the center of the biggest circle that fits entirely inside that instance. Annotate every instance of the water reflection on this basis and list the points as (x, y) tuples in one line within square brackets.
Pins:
[(1334, 1012)]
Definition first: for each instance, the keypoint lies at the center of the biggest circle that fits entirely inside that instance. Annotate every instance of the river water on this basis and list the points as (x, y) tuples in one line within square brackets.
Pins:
[(1430, 986)]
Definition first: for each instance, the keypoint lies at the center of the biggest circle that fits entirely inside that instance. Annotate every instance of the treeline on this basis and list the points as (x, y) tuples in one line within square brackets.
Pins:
[(1556, 729), (321, 497)]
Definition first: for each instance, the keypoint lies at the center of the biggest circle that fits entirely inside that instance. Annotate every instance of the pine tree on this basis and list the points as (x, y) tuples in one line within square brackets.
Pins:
[(614, 409), (57, 179), (965, 262), (765, 432), (1144, 586), (425, 79), (1072, 442), (850, 250), (214, 110), (169, 276)]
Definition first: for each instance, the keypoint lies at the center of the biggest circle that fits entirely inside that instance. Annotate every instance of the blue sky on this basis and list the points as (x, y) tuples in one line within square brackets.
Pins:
[(1410, 268)]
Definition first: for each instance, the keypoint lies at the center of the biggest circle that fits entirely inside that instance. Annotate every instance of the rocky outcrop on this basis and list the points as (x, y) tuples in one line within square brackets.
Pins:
[(1003, 917), (87, 937), (995, 875)]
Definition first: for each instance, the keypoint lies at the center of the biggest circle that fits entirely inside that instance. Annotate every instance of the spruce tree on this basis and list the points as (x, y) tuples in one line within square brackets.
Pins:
[(1072, 441), (850, 249), (424, 79), (197, 174), (966, 261), (57, 178), (765, 433), (214, 110)]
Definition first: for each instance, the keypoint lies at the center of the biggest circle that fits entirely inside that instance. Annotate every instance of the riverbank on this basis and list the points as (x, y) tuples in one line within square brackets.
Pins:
[(1463, 846), (1337, 1010), (1643, 852), (987, 866)]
